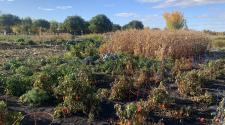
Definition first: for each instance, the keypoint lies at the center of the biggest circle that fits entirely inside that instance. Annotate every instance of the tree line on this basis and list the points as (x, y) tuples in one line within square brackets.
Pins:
[(75, 25)]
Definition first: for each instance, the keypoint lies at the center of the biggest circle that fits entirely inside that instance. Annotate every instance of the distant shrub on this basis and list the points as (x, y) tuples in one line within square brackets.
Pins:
[(219, 43), (156, 43), (35, 96), (21, 40)]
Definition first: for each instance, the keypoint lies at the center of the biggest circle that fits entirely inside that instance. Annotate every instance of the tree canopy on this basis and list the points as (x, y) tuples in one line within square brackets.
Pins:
[(135, 24), (7, 21), (100, 24), (175, 20), (75, 25)]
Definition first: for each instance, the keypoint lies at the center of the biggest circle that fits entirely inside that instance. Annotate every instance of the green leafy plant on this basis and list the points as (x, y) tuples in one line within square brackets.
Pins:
[(214, 69), (131, 113), (35, 96), (78, 93), (17, 84), (189, 83), (160, 95), (24, 71)]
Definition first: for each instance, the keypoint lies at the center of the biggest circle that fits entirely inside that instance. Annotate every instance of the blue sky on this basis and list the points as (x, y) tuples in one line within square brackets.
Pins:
[(200, 14)]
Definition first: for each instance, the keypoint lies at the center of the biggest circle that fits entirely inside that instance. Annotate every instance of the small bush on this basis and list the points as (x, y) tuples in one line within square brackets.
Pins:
[(121, 89), (190, 83), (78, 93), (21, 40), (131, 113), (17, 84), (35, 96), (24, 71), (45, 81), (160, 95), (12, 65), (214, 69)]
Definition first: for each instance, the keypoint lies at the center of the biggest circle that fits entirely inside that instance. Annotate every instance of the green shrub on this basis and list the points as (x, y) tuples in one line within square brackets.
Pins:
[(160, 95), (17, 84), (84, 49), (12, 65), (24, 71), (214, 69), (79, 95), (20, 40), (132, 113), (190, 83), (35, 96), (45, 81)]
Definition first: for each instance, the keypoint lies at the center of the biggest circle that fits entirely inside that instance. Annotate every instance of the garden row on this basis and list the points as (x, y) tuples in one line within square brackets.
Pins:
[(138, 88)]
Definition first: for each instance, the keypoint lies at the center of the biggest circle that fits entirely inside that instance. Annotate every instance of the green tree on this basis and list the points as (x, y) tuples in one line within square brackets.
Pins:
[(26, 25), (175, 20), (40, 26), (116, 27), (7, 21), (75, 25), (100, 24), (135, 24), (54, 27)]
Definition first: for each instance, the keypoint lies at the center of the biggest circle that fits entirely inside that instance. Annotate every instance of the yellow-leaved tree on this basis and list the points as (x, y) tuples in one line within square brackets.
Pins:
[(175, 20)]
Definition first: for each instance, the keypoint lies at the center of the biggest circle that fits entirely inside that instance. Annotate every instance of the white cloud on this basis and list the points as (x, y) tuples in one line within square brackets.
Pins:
[(63, 7), (46, 9), (56, 8), (126, 14), (186, 3)]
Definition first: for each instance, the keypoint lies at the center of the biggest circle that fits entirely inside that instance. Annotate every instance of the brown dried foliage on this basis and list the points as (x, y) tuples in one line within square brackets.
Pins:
[(157, 43)]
